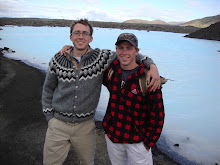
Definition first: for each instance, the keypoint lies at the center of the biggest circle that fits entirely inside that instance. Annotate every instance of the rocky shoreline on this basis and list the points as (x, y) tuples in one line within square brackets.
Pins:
[(67, 23), (210, 33)]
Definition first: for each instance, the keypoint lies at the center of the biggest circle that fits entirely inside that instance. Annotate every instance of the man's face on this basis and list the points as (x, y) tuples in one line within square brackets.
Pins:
[(126, 54), (81, 36)]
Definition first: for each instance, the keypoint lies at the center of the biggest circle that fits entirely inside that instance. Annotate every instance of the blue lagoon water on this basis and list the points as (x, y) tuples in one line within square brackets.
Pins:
[(191, 97)]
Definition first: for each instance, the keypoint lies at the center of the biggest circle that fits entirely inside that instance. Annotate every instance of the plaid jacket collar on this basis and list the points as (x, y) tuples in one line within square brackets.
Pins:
[(117, 69)]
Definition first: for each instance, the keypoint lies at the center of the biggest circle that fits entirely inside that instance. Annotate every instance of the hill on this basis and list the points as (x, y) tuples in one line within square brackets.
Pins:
[(202, 23), (140, 21), (210, 33), (67, 23), (175, 23)]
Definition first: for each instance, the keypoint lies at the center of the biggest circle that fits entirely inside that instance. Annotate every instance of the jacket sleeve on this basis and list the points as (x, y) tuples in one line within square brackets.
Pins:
[(156, 118), (49, 86)]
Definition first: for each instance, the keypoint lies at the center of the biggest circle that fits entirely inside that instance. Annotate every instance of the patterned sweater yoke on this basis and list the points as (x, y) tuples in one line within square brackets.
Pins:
[(71, 91)]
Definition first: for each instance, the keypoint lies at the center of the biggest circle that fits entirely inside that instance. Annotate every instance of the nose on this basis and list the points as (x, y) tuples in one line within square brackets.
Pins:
[(80, 35), (124, 51)]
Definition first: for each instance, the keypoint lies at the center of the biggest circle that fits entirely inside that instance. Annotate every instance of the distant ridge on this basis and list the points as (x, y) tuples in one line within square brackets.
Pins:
[(210, 33), (203, 22), (140, 21), (67, 23), (176, 23), (199, 23)]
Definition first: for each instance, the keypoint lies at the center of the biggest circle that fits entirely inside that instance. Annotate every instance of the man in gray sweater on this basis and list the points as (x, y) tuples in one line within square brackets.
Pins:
[(71, 93)]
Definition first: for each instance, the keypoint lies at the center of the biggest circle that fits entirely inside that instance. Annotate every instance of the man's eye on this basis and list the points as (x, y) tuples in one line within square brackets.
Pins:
[(85, 33)]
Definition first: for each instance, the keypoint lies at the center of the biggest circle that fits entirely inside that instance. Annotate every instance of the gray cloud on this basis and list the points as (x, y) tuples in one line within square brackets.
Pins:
[(98, 11)]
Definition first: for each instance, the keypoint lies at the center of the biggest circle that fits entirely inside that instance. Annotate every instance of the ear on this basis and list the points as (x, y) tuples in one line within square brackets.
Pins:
[(91, 38), (70, 37), (137, 51)]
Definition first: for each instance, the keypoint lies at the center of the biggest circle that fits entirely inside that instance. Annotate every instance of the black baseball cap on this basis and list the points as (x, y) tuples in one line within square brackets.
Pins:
[(131, 38)]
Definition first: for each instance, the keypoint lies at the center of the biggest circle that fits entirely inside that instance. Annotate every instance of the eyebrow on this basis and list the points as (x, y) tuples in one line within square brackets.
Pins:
[(80, 31), (125, 46)]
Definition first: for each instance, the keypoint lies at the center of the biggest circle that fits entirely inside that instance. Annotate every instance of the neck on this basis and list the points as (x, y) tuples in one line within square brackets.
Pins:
[(78, 52)]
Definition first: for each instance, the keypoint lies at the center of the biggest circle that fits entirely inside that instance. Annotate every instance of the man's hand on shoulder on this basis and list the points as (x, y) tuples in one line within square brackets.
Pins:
[(155, 81), (64, 48)]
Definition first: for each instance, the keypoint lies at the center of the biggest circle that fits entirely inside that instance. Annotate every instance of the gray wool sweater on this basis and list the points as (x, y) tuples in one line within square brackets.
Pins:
[(71, 91)]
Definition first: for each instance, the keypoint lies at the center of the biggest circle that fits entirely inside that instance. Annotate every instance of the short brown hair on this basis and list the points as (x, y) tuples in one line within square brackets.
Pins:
[(84, 22)]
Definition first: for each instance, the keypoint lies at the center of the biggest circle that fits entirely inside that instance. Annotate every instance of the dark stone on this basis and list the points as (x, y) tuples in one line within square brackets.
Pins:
[(176, 145), (6, 48)]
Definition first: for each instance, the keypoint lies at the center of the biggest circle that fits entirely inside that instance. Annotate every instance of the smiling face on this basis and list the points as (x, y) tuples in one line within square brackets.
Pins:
[(126, 54), (81, 41)]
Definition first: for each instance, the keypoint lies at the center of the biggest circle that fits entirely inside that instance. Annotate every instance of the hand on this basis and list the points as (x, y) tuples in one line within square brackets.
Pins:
[(146, 147), (155, 81), (65, 48)]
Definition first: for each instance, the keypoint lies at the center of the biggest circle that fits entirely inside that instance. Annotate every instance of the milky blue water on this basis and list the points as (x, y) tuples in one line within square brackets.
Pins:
[(191, 99)]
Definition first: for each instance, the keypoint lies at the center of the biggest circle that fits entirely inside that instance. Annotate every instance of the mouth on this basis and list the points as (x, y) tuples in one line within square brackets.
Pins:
[(124, 58), (80, 42)]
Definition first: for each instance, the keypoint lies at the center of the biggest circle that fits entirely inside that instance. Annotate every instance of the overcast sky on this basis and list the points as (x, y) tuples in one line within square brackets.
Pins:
[(111, 10)]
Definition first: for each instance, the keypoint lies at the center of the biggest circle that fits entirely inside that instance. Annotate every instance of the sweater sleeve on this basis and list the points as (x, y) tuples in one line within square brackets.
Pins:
[(106, 77), (156, 119), (49, 86), (113, 57), (147, 61)]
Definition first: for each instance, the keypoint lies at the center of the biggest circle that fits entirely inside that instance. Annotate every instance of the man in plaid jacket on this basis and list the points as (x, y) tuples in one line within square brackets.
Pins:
[(133, 121)]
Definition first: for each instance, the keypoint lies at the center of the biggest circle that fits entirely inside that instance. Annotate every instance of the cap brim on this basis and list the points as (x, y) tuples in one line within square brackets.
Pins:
[(132, 43)]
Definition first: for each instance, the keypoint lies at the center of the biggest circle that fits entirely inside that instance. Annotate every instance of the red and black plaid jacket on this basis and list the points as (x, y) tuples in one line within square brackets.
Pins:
[(130, 116)]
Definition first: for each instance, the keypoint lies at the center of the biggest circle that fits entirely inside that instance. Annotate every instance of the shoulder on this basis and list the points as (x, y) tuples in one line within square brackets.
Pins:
[(114, 66), (60, 60), (102, 51), (59, 56), (100, 55)]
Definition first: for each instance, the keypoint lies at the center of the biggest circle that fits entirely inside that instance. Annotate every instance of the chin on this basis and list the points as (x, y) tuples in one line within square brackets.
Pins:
[(124, 62), (81, 48)]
